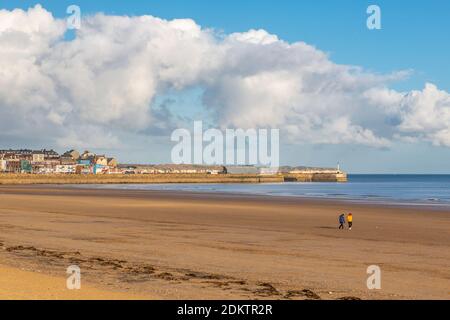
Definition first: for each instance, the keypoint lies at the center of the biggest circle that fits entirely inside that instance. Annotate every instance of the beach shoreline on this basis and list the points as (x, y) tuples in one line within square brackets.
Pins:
[(185, 245), (57, 189)]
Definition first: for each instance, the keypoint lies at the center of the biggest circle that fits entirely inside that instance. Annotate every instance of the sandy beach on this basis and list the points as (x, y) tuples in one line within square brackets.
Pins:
[(166, 245), (21, 284)]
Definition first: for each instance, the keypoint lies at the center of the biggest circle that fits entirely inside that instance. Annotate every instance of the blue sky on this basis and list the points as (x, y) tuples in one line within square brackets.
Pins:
[(414, 36)]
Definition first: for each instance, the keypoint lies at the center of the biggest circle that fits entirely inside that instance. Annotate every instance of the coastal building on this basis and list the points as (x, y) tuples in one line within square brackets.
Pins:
[(67, 160), (70, 157), (100, 169), (25, 166), (84, 162), (72, 162), (49, 161), (242, 170), (83, 169), (65, 169), (50, 154), (112, 163), (100, 160), (171, 169), (87, 155), (38, 156), (43, 170), (21, 154), (74, 154), (13, 166), (3, 165)]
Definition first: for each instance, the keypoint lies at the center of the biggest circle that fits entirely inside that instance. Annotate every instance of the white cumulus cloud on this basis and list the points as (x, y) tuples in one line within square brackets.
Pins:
[(104, 82)]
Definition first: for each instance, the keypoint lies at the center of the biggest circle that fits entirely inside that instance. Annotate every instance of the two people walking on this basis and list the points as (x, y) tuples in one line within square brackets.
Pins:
[(349, 220)]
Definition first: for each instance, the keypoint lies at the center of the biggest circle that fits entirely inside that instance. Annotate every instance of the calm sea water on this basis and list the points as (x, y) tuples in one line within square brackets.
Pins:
[(395, 189)]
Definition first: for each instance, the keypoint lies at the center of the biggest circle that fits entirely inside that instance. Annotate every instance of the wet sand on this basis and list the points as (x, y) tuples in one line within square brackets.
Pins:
[(207, 246)]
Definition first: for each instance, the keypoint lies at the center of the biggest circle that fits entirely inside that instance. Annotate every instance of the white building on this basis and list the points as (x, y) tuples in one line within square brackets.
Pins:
[(2, 165), (65, 168), (38, 157), (45, 170)]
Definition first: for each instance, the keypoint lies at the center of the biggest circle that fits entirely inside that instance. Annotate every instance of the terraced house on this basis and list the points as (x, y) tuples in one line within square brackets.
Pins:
[(49, 161)]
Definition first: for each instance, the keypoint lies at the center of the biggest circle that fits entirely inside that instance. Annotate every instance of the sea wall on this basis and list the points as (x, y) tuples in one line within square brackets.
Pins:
[(168, 178), (316, 177), (135, 178)]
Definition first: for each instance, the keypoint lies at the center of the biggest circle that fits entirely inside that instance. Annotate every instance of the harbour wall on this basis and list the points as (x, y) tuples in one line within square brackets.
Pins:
[(168, 178)]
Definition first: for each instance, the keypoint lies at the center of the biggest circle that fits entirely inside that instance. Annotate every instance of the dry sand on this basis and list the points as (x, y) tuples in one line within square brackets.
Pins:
[(19, 284), (203, 246)]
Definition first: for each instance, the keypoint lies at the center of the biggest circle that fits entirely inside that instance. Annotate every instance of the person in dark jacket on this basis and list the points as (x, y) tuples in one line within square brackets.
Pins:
[(341, 221)]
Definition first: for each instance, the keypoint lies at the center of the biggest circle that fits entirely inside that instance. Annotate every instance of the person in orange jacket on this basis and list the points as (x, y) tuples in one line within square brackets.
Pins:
[(350, 221)]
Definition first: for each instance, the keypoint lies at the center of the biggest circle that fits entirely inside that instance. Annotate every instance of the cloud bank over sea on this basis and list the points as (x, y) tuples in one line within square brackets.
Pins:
[(99, 88)]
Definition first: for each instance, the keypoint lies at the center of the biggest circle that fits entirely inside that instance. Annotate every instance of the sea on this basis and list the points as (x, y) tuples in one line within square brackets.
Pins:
[(396, 189)]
